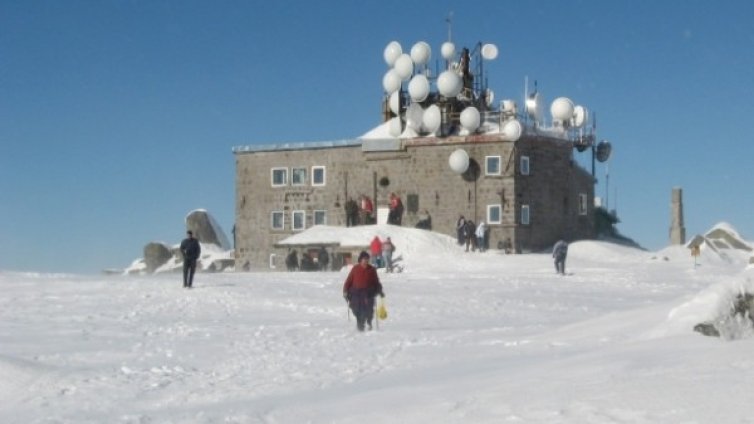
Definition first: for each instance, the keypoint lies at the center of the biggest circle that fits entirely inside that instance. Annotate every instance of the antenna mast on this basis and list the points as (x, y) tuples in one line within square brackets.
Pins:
[(449, 21)]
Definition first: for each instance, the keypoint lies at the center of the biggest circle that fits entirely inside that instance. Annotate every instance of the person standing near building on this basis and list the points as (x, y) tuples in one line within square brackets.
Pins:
[(395, 216), (469, 233), (387, 254), (481, 230), (559, 252), (323, 258), (359, 290), (366, 210), (461, 230), (190, 249), (352, 212)]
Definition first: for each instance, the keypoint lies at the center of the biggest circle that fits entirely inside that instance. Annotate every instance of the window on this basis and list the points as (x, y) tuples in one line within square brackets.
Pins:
[(320, 217), (525, 165), (494, 214), (298, 222), (318, 175), (492, 165), (525, 218), (298, 176), (279, 177), (583, 205), (277, 221)]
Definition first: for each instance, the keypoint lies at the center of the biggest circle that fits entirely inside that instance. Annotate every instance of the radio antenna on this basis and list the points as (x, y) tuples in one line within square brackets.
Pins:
[(449, 21)]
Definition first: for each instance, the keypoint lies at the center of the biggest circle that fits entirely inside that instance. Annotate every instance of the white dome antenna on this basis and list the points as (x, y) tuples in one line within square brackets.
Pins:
[(391, 53), (489, 51)]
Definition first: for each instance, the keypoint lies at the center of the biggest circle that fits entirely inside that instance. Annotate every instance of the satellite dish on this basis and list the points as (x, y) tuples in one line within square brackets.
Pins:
[(448, 50), (534, 107), (420, 53), (414, 114), (395, 127), (562, 109), (580, 116), (470, 119), (603, 150), (509, 107), (418, 88), (395, 102), (391, 82), (489, 97), (432, 119), (404, 66), (459, 161), (392, 51), (449, 83), (489, 51), (512, 130)]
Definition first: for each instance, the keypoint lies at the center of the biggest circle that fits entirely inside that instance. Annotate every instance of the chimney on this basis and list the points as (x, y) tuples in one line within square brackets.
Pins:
[(677, 230)]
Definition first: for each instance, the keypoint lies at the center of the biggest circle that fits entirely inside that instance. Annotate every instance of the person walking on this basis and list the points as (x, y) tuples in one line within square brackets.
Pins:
[(366, 210), (190, 249), (359, 290), (387, 254), (352, 212), (291, 261), (559, 252)]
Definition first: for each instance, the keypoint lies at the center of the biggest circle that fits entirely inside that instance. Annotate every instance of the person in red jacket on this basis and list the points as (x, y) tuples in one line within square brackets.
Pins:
[(375, 248), (359, 290)]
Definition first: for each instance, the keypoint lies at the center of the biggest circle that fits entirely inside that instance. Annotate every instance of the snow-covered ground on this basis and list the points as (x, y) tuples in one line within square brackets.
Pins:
[(470, 337)]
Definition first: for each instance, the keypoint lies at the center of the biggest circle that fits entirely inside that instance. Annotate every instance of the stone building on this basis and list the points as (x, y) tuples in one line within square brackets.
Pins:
[(516, 172), (530, 192)]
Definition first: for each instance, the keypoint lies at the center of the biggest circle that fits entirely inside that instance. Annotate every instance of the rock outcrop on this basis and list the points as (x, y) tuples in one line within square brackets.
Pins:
[(206, 229), (156, 254)]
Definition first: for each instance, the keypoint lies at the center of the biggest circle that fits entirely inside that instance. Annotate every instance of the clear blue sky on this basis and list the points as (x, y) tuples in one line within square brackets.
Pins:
[(118, 117)]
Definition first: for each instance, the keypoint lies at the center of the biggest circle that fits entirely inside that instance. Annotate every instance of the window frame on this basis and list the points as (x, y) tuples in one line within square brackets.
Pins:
[(301, 212), (285, 176), (583, 204), (322, 168), (525, 165), (323, 214), (282, 220), (525, 218), (293, 174), (499, 214), (499, 165)]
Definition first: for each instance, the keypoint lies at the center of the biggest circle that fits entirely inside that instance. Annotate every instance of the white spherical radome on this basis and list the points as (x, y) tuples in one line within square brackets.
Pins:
[(449, 84), (432, 118), (420, 53), (561, 109), (395, 127), (404, 66), (448, 50), (391, 53), (459, 161), (418, 88), (470, 119), (395, 102), (391, 82)]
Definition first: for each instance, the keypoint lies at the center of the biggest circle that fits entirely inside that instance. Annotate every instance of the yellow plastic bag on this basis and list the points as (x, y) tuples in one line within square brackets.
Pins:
[(382, 311)]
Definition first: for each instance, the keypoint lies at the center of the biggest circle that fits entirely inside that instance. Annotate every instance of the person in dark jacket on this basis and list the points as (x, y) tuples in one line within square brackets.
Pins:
[(323, 258), (352, 212), (291, 261), (190, 249), (359, 290)]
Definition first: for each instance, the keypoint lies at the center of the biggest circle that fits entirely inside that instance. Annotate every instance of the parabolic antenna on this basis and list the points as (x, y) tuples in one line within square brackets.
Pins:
[(603, 150), (391, 82), (448, 50), (418, 88), (414, 115), (432, 119), (534, 106), (489, 97), (459, 161), (392, 51), (562, 109), (395, 127), (489, 51), (404, 66), (470, 119), (580, 116), (395, 102), (512, 130), (420, 53), (449, 83)]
